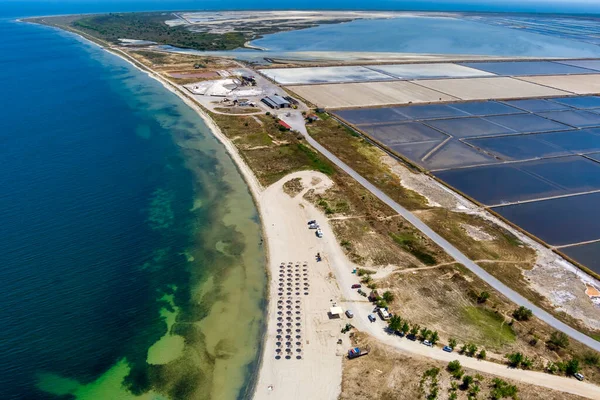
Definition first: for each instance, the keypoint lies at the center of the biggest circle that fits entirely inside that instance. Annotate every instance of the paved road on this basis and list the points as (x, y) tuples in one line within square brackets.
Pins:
[(295, 120)]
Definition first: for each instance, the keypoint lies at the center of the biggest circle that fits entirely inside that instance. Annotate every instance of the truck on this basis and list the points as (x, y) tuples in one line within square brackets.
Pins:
[(357, 352)]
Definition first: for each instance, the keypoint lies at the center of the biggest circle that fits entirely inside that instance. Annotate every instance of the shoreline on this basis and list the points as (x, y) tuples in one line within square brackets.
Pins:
[(254, 186)]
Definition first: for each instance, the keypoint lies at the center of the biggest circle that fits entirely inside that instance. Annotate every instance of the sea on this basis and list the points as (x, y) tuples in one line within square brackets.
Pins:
[(131, 258)]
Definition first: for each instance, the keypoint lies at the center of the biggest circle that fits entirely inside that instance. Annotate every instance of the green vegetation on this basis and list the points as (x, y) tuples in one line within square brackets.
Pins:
[(501, 389), (429, 383), (558, 340), (414, 246), (482, 354), (466, 381), (452, 343), (491, 325), (150, 26), (316, 162), (395, 323), (517, 360), (455, 369), (483, 297), (388, 296), (522, 314)]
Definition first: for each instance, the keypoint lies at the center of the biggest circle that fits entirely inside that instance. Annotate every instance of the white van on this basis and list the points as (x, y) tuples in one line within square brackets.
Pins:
[(383, 313)]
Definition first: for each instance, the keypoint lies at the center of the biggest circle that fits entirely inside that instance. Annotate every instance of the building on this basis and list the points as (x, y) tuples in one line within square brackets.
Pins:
[(286, 126), (276, 102)]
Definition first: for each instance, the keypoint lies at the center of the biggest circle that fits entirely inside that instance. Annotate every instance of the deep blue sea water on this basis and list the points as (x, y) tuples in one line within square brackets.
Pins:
[(112, 195)]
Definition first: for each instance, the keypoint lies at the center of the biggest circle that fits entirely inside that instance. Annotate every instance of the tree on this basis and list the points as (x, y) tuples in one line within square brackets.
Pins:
[(395, 323), (453, 396), (388, 296), (466, 381), (572, 366), (482, 354), (558, 340), (452, 343), (405, 328), (381, 303), (434, 338), (425, 333), (527, 363), (414, 330), (522, 314), (483, 297)]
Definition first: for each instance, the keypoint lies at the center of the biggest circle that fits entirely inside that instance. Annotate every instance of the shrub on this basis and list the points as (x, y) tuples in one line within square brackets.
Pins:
[(522, 314), (515, 359), (268, 113), (558, 340), (455, 369), (482, 355), (572, 366), (471, 349), (483, 297), (591, 359), (466, 381), (388, 296), (502, 389)]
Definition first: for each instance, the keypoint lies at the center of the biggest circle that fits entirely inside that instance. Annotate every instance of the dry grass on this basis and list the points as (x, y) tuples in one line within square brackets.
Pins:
[(387, 374), (502, 246), (444, 299), (293, 187), (364, 158)]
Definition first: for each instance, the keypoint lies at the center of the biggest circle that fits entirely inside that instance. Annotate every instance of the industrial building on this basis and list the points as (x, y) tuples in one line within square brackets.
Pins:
[(276, 102)]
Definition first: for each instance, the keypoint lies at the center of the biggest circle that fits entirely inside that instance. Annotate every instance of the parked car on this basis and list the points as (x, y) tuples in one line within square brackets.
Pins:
[(427, 343), (349, 314), (448, 349), (356, 286), (313, 226), (314, 221), (579, 376), (319, 233), (372, 318)]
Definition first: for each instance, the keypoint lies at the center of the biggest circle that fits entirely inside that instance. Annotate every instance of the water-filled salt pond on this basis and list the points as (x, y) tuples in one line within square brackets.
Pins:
[(534, 161)]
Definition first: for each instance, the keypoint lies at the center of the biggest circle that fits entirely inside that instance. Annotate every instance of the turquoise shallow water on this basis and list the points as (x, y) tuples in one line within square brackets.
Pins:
[(123, 223)]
